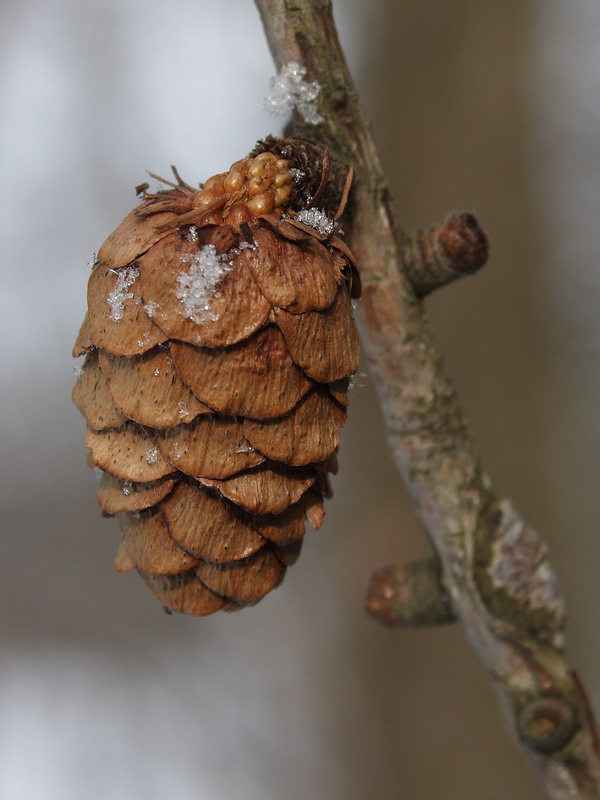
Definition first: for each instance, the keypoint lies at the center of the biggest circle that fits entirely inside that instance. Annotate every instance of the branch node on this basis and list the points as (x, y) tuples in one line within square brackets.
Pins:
[(455, 249), (410, 596)]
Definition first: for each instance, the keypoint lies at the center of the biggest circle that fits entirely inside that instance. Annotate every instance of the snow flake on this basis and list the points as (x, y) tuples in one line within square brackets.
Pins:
[(244, 448), (120, 294), (233, 252), (197, 286), (150, 307), (317, 219), (151, 456), (290, 91)]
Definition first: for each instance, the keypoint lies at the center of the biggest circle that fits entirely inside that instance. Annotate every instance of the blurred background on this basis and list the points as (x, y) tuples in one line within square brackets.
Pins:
[(478, 105)]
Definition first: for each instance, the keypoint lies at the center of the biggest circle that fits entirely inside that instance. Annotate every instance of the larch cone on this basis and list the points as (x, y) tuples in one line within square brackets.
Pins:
[(219, 344)]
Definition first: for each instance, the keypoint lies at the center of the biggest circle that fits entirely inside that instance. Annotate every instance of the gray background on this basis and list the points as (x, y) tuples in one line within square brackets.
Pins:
[(488, 106)]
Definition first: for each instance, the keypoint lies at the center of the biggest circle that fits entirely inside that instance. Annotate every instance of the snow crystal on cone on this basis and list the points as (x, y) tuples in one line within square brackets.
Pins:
[(318, 220), (119, 295), (198, 285)]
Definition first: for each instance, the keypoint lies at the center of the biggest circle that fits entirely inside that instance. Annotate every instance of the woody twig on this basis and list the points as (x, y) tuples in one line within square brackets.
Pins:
[(491, 570)]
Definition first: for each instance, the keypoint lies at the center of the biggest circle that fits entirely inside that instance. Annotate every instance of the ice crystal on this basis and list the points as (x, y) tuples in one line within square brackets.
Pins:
[(244, 448), (197, 286), (234, 252), (290, 91), (176, 452), (192, 234), (120, 294), (127, 488), (183, 412), (150, 307), (357, 380), (297, 174), (151, 456), (94, 260), (318, 220)]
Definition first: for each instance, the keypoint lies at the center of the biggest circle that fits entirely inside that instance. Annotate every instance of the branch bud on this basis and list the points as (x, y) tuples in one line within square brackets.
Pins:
[(547, 723), (411, 595), (454, 250)]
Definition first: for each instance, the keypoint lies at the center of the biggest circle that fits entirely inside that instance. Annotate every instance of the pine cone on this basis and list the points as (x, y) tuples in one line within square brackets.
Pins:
[(219, 341)]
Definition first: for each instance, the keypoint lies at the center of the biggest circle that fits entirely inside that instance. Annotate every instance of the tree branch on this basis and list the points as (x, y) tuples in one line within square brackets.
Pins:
[(495, 576)]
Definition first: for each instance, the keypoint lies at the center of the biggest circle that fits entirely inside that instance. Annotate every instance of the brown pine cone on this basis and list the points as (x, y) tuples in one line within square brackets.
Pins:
[(219, 341)]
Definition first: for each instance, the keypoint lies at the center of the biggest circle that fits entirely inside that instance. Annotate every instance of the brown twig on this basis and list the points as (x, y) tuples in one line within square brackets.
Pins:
[(493, 567)]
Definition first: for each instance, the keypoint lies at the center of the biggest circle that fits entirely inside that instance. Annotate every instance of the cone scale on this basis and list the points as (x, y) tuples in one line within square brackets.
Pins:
[(218, 344)]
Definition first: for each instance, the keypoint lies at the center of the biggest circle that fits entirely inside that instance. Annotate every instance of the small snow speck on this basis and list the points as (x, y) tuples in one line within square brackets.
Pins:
[(246, 246), (183, 412), (244, 448), (156, 372), (150, 308), (127, 488), (234, 252), (151, 456), (289, 90), (197, 287), (118, 297), (318, 220)]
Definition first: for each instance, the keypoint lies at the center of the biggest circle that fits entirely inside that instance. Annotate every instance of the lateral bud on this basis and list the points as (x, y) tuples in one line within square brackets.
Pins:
[(410, 596), (455, 249)]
